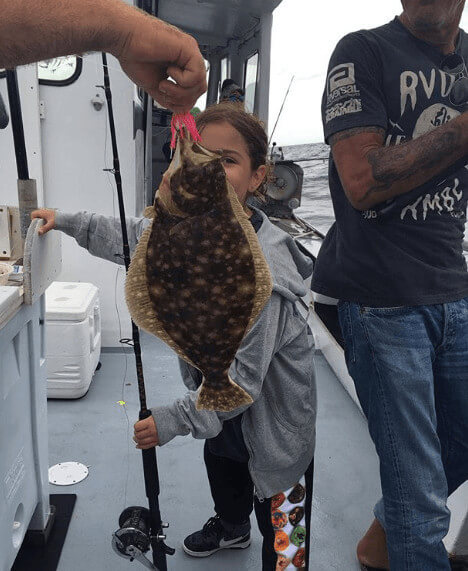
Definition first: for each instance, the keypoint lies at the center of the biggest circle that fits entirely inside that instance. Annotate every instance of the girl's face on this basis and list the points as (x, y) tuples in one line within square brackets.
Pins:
[(222, 137)]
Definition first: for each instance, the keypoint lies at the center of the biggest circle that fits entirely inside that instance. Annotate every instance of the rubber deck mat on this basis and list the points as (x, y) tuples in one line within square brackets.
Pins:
[(46, 557)]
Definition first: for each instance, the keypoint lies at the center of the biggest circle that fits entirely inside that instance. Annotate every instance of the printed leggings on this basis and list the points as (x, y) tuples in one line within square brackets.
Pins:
[(283, 520)]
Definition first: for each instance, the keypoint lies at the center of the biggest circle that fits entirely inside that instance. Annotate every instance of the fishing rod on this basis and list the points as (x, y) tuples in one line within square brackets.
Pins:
[(140, 528), (281, 109)]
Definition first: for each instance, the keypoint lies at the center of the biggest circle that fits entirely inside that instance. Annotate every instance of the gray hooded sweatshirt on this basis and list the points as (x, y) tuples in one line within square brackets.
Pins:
[(274, 363)]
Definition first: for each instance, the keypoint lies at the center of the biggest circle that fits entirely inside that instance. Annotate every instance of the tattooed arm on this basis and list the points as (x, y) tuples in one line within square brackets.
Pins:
[(372, 173)]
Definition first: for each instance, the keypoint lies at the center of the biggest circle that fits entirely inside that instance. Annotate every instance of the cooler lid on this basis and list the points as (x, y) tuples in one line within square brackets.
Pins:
[(69, 301)]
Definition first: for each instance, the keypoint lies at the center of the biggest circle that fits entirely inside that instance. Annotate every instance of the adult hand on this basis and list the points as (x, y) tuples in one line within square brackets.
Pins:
[(48, 216), (146, 433), (154, 50), (149, 50)]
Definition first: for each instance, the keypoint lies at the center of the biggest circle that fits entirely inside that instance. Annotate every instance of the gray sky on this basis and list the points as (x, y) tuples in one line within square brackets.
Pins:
[(305, 33)]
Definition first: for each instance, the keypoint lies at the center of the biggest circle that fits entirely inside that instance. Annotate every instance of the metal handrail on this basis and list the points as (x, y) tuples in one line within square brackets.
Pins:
[(303, 160), (307, 227)]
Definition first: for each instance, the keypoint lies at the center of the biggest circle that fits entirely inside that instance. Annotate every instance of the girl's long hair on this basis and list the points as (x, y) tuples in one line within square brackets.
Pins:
[(250, 128)]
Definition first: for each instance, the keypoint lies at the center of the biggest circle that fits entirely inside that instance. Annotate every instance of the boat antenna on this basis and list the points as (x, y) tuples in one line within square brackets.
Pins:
[(281, 109), (140, 527)]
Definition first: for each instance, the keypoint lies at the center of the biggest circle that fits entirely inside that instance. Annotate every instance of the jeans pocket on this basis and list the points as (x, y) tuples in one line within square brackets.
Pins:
[(385, 311), (344, 317)]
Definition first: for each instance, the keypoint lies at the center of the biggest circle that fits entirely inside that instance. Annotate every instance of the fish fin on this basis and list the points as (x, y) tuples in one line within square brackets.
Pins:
[(228, 398), (149, 212)]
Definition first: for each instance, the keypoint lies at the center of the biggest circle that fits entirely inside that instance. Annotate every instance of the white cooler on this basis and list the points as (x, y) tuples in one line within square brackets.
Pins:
[(73, 338)]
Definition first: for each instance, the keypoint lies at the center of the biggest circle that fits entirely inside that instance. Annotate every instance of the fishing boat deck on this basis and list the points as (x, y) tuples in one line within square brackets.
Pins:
[(97, 431)]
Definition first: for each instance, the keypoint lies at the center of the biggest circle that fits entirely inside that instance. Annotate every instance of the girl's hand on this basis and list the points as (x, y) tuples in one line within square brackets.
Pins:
[(146, 433), (48, 216)]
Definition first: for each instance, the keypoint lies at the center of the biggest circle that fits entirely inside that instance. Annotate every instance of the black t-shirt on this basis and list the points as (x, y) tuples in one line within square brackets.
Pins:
[(412, 255)]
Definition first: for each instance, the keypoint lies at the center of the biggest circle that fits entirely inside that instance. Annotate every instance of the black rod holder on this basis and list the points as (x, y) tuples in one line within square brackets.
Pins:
[(17, 124)]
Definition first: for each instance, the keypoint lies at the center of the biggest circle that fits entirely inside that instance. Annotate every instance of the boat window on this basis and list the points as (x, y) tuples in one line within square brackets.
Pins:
[(201, 102), (59, 71), (250, 81), (224, 72)]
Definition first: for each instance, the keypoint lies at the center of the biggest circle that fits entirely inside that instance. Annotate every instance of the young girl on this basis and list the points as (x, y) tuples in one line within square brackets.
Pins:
[(260, 456)]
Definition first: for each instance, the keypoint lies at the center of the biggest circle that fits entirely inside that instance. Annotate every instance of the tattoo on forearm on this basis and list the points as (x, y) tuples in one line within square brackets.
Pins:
[(393, 164), (342, 135)]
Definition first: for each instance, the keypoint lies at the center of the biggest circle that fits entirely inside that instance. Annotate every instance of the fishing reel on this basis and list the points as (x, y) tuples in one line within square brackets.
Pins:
[(133, 539), (284, 190)]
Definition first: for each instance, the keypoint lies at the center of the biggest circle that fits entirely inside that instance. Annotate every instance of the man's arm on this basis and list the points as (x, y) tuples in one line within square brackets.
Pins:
[(148, 49), (372, 173)]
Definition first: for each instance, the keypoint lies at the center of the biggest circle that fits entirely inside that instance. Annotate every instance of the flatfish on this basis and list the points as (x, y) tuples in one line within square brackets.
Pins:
[(198, 278)]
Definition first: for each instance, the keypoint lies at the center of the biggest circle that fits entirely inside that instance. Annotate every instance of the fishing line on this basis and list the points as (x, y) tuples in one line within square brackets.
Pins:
[(125, 540), (116, 279), (100, 65), (281, 109), (123, 399)]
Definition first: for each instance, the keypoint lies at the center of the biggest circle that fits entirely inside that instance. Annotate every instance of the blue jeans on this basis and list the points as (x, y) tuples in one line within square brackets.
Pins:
[(410, 368)]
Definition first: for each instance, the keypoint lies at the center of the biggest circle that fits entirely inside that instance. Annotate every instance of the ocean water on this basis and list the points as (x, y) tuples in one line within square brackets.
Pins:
[(316, 205)]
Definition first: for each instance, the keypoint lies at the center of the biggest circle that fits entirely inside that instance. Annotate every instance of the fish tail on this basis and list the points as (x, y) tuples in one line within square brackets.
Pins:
[(223, 398)]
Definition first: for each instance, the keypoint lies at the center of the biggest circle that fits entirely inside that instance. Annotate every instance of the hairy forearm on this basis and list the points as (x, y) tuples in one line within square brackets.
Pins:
[(372, 173), (41, 29)]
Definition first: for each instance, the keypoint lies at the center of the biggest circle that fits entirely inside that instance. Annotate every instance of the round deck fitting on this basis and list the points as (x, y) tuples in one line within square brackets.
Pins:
[(67, 473)]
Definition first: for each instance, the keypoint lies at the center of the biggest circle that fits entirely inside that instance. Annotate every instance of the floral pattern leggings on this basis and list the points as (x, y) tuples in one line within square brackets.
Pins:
[(283, 520), (288, 519)]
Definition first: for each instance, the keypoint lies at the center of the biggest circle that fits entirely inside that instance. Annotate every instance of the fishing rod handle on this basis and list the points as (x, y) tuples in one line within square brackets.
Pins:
[(17, 124)]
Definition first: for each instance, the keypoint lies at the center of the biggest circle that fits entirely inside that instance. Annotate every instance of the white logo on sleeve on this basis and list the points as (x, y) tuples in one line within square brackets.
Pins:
[(340, 76), (343, 97)]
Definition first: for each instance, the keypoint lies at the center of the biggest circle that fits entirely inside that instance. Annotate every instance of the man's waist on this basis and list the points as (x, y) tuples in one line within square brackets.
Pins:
[(389, 294)]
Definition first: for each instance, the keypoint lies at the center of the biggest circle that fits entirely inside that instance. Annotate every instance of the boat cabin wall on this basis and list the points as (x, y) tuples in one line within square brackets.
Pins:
[(69, 146), (247, 62), (28, 86)]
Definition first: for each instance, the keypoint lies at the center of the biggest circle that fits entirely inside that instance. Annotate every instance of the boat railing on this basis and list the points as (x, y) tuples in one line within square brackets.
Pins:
[(308, 229), (308, 160)]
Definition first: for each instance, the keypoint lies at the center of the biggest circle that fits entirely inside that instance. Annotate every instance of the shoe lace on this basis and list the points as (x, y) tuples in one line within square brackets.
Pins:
[(212, 524)]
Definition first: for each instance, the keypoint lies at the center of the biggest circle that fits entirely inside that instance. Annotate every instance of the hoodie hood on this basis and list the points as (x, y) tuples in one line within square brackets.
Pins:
[(289, 267)]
